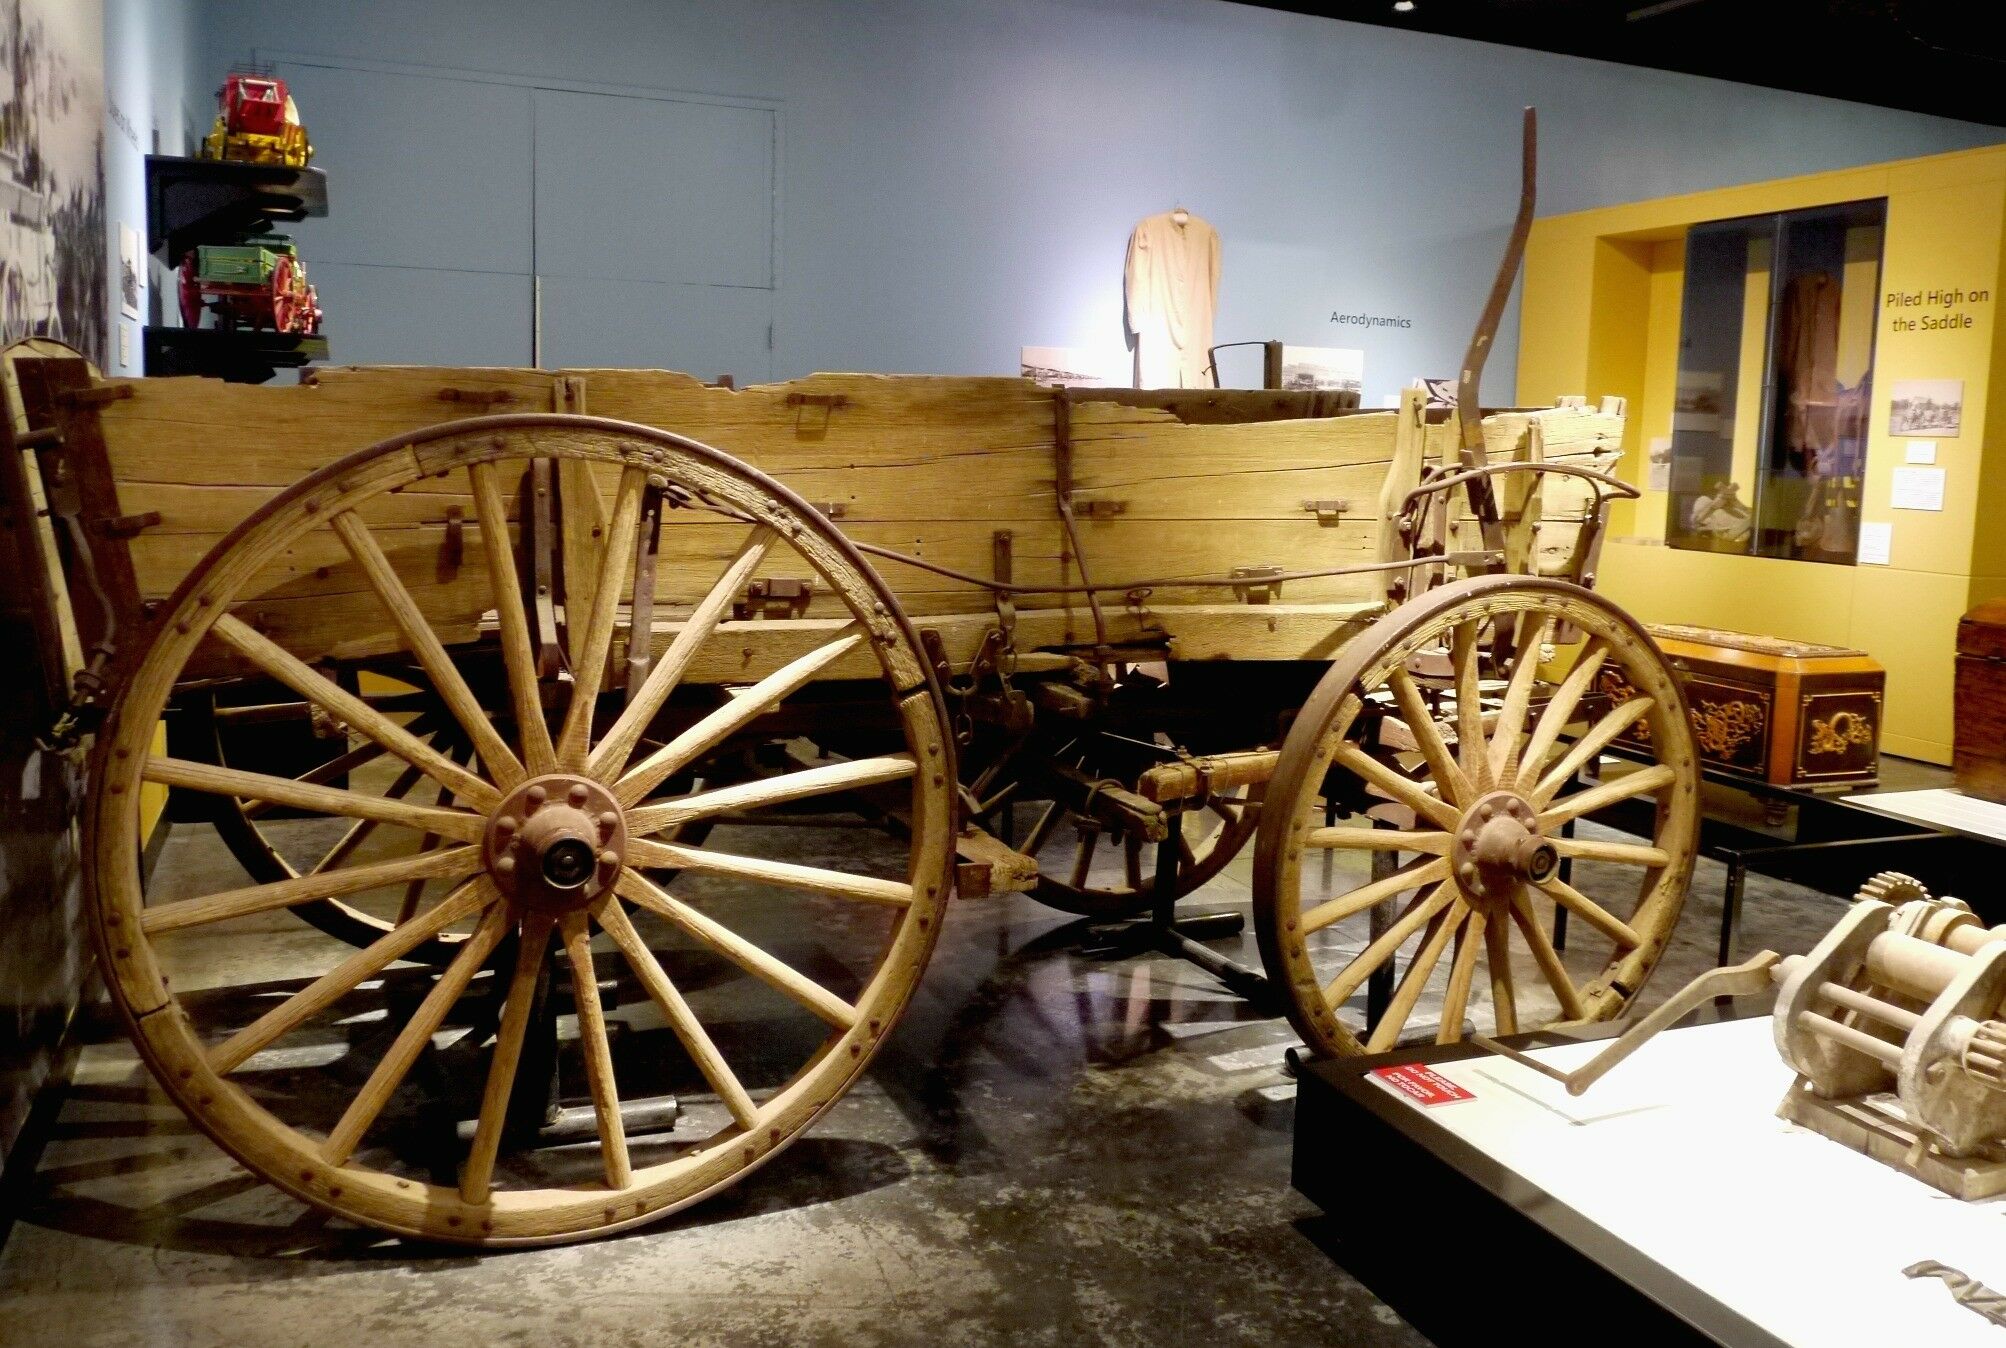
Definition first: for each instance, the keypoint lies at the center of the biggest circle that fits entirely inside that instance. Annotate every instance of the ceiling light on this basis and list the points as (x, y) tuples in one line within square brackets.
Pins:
[(1403, 6)]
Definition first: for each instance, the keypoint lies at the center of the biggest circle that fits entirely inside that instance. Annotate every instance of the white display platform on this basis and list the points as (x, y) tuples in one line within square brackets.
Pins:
[(1679, 1154), (1940, 807)]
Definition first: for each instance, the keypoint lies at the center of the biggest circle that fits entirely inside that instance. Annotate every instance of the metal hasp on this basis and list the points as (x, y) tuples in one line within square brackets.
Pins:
[(1469, 417)]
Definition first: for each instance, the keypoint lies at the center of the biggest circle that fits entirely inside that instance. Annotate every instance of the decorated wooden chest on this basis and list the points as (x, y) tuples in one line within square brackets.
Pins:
[(1791, 713), (1979, 726)]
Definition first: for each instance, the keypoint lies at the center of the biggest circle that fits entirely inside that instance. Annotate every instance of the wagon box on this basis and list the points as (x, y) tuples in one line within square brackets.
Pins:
[(235, 264)]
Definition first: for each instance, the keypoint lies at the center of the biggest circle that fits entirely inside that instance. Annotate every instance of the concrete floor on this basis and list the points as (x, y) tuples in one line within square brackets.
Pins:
[(1051, 1149)]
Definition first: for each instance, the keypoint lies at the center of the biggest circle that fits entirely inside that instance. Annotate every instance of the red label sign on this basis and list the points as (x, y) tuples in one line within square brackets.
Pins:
[(1422, 1085)]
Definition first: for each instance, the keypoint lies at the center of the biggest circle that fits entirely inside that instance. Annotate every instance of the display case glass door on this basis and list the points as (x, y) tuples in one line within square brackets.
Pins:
[(1776, 347)]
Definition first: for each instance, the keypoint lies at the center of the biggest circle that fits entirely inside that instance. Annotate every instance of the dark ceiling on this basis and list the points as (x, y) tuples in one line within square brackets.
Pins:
[(1939, 56)]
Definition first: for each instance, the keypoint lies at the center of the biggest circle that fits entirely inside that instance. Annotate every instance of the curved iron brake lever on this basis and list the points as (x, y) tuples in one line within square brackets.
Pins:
[(1734, 981)]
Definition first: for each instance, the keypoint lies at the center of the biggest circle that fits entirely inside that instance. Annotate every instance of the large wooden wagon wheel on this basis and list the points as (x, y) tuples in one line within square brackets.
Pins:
[(1491, 778), (547, 845)]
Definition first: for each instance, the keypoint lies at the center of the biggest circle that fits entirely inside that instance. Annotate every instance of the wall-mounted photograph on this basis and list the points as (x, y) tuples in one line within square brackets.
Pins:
[(1068, 366), (52, 196), (1926, 407), (1312, 368)]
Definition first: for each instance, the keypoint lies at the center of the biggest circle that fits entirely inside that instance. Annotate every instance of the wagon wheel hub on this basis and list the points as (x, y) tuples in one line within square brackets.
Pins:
[(556, 843), (1498, 847)]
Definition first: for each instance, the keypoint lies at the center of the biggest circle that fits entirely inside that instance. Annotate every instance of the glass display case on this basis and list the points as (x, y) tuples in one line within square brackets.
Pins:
[(1776, 349)]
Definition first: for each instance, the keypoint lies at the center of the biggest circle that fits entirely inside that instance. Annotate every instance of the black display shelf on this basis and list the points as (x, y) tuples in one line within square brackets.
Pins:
[(241, 357), (190, 202)]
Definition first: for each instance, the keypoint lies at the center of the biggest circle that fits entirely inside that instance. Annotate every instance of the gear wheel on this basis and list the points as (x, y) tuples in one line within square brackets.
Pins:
[(1893, 888)]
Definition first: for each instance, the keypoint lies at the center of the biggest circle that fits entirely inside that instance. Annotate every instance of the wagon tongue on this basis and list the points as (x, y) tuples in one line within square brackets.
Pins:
[(1469, 416)]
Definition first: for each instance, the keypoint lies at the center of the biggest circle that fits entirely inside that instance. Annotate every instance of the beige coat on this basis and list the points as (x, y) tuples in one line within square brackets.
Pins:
[(1171, 283)]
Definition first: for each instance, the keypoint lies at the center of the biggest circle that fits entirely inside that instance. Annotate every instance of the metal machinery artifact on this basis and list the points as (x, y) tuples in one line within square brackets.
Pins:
[(471, 679), (1895, 1024)]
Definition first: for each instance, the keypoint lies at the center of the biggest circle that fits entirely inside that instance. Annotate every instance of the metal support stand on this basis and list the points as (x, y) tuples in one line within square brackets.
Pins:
[(1165, 932), (1378, 918), (537, 1115)]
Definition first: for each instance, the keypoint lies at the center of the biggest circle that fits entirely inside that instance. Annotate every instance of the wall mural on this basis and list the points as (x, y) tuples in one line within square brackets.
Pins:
[(53, 267)]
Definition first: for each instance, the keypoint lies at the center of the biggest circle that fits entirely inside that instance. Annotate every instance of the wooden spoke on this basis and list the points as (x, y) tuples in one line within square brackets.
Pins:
[(1598, 738), (1379, 840), (1547, 957), (362, 828), (1445, 923), (1131, 861), (1591, 912), (1424, 908), (1420, 722), (1187, 856), (1469, 707), (1462, 972), (412, 1039), (737, 712), (1623, 854), (611, 753), (351, 838), (1358, 900), (517, 654), (1083, 855), (1559, 710), (1641, 782), (1497, 959), (1510, 728), (1395, 784), (681, 1019), (339, 765), (851, 776), (455, 824), (449, 863), (814, 879), (501, 762), (477, 1175), (367, 962), (288, 669), (1041, 831), (598, 1052), (588, 666), (728, 944)]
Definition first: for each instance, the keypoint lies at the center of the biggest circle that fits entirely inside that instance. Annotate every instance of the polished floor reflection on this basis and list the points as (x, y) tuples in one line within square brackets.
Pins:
[(1051, 1149)]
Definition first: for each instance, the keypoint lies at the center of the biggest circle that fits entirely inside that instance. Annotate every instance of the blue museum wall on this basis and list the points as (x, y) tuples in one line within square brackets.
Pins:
[(156, 95), (955, 178)]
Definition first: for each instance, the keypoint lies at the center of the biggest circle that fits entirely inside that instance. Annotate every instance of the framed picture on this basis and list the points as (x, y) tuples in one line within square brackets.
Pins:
[(1926, 408), (1069, 367), (1313, 368), (131, 270)]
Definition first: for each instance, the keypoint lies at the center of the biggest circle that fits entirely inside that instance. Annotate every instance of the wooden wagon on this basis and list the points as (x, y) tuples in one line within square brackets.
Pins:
[(473, 667)]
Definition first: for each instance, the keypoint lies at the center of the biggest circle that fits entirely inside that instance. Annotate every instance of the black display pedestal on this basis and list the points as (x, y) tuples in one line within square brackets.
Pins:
[(244, 356), (196, 201), (1465, 1248)]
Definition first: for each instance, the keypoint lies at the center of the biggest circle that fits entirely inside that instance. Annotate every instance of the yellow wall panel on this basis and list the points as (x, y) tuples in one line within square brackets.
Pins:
[(1617, 274)]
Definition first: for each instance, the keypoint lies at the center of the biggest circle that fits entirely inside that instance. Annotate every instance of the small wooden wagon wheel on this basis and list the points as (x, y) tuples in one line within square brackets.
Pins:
[(1085, 869), (1490, 778), (547, 844)]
